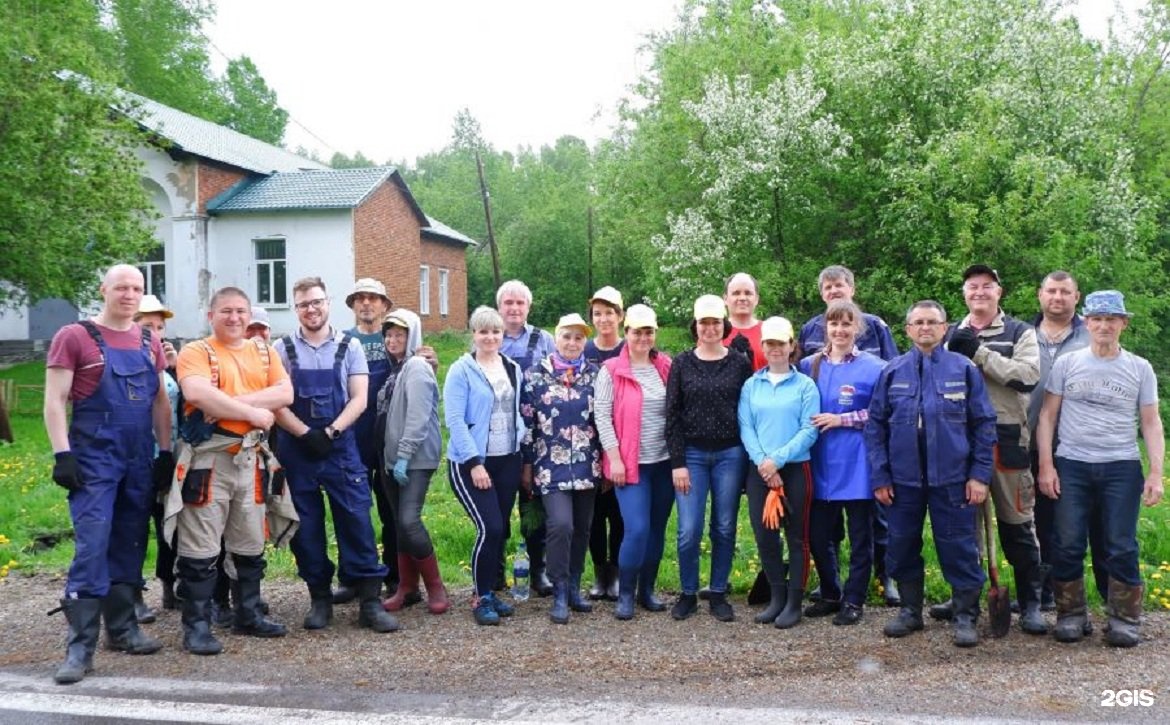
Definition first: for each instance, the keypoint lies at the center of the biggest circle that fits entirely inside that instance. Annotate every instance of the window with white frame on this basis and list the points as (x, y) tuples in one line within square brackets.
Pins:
[(271, 281), (444, 285), (424, 290), (154, 271)]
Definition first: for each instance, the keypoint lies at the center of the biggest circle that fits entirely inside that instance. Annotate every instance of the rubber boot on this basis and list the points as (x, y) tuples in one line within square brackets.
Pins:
[(559, 612), (345, 593), (222, 614), (776, 605), (370, 611), (646, 598), (576, 602), (437, 601), (169, 600), (198, 578), (611, 586), (542, 586), (943, 611), (909, 616), (1029, 590), (248, 617), (790, 615), (143, 613), (1124, 608), (320, 607), (600, 584), (122, 633), (627, 583), (407, 584), (1072, 614), (966, 604), (84, 617)]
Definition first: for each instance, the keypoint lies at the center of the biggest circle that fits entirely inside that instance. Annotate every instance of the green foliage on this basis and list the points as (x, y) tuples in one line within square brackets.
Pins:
[(357, 161), (70, 199), (251, 106)]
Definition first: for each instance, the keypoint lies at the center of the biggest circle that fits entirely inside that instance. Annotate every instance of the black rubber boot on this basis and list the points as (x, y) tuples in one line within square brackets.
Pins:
[(199, 582), (890, 593), (600, 581), (320, 607), (909, 616), (576, 602), (345, 593), (169, 600), (790, 616), (966, 603), (249, 617), (943, 611), (542, 586), (611, 582), (559, 611), (142, 612), (627, 583), (1029, 591), (370, 611), (122, 632), (775, 606), (84, 617), (646, 598)]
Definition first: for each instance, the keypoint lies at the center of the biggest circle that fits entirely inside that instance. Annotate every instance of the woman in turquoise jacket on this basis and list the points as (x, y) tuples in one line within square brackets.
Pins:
[(482, 411), (776, 409)]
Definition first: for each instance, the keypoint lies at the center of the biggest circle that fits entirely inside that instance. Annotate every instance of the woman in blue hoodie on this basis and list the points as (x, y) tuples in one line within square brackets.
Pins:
[(482, 395), (776, 409)]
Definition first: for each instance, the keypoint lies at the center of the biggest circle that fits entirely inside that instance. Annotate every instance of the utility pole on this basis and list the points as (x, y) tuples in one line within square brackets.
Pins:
[(487, 214), (589, 232)]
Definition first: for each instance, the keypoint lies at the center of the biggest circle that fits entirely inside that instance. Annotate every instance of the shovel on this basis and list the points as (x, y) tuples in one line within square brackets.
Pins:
[(999, 607)]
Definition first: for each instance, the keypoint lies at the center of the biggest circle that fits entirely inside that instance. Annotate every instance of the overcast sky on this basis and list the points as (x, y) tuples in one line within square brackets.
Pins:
[(387, 77)]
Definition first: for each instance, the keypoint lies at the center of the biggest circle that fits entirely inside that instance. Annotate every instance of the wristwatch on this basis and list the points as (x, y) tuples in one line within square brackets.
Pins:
[(332, 432)]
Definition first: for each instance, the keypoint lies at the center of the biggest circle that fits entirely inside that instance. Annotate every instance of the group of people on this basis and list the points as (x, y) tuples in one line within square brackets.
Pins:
[(597, 435)]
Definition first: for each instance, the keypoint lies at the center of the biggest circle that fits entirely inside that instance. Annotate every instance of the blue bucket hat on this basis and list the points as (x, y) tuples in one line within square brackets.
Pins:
[(1105, 302)]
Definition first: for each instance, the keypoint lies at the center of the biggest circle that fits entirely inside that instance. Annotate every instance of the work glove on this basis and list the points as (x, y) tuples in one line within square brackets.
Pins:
[(964, 341), (317, 444), (65, 473), (163, 471), (742, 344), (400, 471), (773, 508)]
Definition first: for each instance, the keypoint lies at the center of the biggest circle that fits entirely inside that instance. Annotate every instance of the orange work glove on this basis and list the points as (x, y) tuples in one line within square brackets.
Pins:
[(773, 508)]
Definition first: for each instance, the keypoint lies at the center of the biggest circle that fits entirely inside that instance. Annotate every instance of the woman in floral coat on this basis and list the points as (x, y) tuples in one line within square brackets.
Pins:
[(562, 458)]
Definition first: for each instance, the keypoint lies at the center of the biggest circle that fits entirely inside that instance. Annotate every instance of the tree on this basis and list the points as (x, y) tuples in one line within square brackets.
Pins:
[(70, 197), (250, 105), (357, 161)]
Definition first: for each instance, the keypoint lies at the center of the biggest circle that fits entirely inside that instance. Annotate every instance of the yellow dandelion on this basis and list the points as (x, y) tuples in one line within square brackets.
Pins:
[(1156, 575)]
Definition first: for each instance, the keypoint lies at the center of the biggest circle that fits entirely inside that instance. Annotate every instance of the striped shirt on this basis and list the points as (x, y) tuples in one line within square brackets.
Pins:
[(652, 447)]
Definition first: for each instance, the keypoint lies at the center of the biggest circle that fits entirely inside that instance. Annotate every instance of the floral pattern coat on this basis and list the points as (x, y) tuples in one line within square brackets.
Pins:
[(561, 442)]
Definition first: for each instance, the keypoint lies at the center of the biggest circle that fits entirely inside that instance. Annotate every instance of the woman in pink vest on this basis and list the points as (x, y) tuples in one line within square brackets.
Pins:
[(631, 423)]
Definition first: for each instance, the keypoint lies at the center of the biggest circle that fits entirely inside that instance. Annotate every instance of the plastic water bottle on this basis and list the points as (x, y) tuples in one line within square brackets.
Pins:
[(520, 574)]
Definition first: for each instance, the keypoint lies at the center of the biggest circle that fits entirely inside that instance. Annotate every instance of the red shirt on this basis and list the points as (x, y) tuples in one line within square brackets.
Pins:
[(73, 349)]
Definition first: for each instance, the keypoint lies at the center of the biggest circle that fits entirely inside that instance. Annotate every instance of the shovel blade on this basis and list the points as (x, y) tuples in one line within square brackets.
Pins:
[(999, 611)]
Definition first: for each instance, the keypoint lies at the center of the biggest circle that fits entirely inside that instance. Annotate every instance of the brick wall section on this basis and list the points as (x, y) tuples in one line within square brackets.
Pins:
[(214, 179), (386, 244), (453, 258)]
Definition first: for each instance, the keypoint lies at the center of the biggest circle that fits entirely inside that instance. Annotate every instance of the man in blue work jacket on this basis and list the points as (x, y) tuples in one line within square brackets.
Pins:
[(930, 437), (319, 450)]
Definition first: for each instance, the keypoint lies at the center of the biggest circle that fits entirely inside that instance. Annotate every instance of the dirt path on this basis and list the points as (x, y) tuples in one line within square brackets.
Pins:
[(650, 659)]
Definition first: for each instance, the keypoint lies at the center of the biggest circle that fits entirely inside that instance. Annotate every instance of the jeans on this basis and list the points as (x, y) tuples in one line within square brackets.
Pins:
[(860, 514), (719, 473), (1111, 491), (952, 523), (645, 510)]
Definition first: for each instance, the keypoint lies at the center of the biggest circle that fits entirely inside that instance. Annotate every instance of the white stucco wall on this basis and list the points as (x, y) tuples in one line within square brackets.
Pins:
[(14, 324), (317, 243)]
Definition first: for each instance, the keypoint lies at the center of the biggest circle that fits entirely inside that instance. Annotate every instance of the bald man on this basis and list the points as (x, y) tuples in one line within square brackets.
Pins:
[(111, 369)]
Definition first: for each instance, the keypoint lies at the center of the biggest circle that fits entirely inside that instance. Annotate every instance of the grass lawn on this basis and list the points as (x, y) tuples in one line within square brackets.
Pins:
[(35, 533)]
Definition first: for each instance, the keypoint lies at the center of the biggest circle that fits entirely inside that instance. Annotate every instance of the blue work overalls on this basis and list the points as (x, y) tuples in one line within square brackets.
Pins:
[(318, 399), (112, 436)]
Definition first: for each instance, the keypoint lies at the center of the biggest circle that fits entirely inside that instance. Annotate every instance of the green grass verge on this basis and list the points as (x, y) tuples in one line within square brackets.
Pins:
[(36, 536)]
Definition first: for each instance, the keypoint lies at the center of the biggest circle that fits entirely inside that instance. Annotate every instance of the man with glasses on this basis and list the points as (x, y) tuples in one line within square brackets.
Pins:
[(319, 450), (1095, 470), (1006, 352), (929, 439)]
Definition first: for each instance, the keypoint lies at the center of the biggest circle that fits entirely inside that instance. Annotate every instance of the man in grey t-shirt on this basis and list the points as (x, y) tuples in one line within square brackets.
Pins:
[(1096, 393)]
